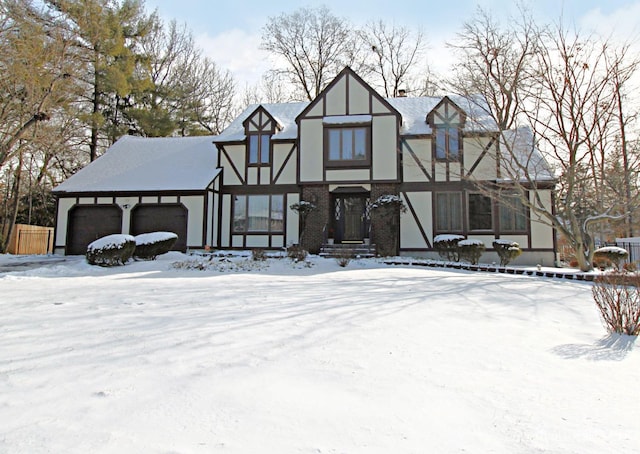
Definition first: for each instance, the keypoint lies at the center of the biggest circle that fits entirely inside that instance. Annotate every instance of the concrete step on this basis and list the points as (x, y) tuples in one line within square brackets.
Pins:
[(348, 249)]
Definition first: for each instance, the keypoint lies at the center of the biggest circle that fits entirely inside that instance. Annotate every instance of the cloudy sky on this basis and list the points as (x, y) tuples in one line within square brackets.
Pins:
[(230, 32)]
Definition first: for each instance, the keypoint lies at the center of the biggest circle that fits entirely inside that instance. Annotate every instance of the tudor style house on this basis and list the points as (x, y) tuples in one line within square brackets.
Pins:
[(340, 152)]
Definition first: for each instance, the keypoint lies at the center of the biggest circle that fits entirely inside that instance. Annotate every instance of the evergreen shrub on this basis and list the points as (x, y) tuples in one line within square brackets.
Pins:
[(447, 246), (111, 250), (151, 245), (471, 250), (507, 251), (610, 254)]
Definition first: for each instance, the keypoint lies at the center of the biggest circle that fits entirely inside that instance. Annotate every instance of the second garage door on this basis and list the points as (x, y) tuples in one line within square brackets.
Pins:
[(148, 218)]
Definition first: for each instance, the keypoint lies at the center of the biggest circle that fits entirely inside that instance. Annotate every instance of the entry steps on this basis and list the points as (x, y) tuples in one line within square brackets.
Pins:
[(348, 250)]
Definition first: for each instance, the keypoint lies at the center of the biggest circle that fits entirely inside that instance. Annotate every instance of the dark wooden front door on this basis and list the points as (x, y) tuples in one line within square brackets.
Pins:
[(350, 221)]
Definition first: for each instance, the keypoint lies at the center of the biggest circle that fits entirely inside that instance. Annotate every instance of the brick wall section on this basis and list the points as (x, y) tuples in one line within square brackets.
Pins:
[(385, 233), (318, 218)]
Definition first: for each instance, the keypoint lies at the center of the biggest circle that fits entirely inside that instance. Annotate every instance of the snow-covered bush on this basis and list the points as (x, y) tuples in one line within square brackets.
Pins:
[(447, 246), (389, 202), (611, 254), (471, 250), (111, 250), (617, 296), (151, 245), (507, 251)]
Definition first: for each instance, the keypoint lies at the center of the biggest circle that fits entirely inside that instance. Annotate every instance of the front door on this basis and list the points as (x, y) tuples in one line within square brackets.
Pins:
[(351, 222)]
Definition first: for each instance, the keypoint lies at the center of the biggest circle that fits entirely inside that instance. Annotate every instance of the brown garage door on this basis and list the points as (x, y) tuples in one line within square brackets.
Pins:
[(146, 218), (90, 222)]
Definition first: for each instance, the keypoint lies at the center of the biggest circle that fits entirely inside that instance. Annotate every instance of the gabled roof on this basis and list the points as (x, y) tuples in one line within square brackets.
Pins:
[(412, 110), (415, 110), (283, 113), (149, 164), (520, 153), (348, 72)]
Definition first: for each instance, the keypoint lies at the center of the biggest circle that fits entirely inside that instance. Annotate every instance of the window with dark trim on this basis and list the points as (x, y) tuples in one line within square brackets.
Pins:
[(258, 214), (447, 142), (513, 214), (448, 212), (259, 148), (348, 145), (480, 209)]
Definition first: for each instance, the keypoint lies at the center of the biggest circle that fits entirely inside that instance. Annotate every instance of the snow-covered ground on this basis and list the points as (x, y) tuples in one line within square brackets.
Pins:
[(275, 357)]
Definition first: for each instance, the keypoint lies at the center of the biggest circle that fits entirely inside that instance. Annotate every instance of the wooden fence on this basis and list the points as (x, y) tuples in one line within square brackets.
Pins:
[(31, 239)]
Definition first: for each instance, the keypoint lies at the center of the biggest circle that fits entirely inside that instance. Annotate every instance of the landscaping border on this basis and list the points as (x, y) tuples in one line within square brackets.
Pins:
[(577, 276)]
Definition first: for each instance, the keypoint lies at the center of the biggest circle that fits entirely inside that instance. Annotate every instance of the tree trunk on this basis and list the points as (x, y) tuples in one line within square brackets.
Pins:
[(13, 209)]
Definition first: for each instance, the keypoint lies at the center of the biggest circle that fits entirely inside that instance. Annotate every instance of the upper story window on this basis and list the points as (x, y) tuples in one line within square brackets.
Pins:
[(447, 142), (447, 121), (347, 140), (259, 127), (259, 148), (348, 144)]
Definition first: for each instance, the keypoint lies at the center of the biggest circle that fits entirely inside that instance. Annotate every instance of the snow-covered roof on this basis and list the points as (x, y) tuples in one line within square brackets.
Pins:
[(520, 152), (413, 111), (283, 113), (149, 164)]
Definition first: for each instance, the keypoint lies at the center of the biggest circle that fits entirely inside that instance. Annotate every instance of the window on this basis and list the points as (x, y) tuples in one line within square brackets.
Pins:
[(448, 212), (513, 214), (259, 147), (258, 213), (348, 144), (447, 142), (480, 212)]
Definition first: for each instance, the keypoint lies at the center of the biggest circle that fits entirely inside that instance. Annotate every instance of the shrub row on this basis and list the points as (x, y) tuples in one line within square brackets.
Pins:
[(456, 247), (117, 249)]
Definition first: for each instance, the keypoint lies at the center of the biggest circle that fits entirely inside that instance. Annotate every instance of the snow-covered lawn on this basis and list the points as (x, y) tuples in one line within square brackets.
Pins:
[(281, 358)]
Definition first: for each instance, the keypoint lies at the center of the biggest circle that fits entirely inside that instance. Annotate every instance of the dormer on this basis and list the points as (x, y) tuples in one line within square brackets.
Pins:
[(259, 127), (447, 122)]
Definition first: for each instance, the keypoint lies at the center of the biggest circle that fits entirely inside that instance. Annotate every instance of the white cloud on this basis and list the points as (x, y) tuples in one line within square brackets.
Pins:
[(237, 51), (621, 24)]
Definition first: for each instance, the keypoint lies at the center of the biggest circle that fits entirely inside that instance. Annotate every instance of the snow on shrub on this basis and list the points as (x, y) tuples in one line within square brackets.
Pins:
[(151, 245), (471, 250), (111, 250), (507, 250), (447, 246), (611, 254), (391, 202)]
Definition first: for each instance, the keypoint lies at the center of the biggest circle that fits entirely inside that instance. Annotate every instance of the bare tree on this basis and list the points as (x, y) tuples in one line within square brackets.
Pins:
[(394, 54), (314, 46), (561, 86)]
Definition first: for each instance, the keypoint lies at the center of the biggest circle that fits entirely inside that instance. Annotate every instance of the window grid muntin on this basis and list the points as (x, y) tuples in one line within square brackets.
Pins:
[(448, 212), (258, 213)]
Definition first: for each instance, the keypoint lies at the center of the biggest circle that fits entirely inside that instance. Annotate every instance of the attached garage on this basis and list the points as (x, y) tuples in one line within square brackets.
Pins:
[(88, 223), (146, 218), (142, 185)]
